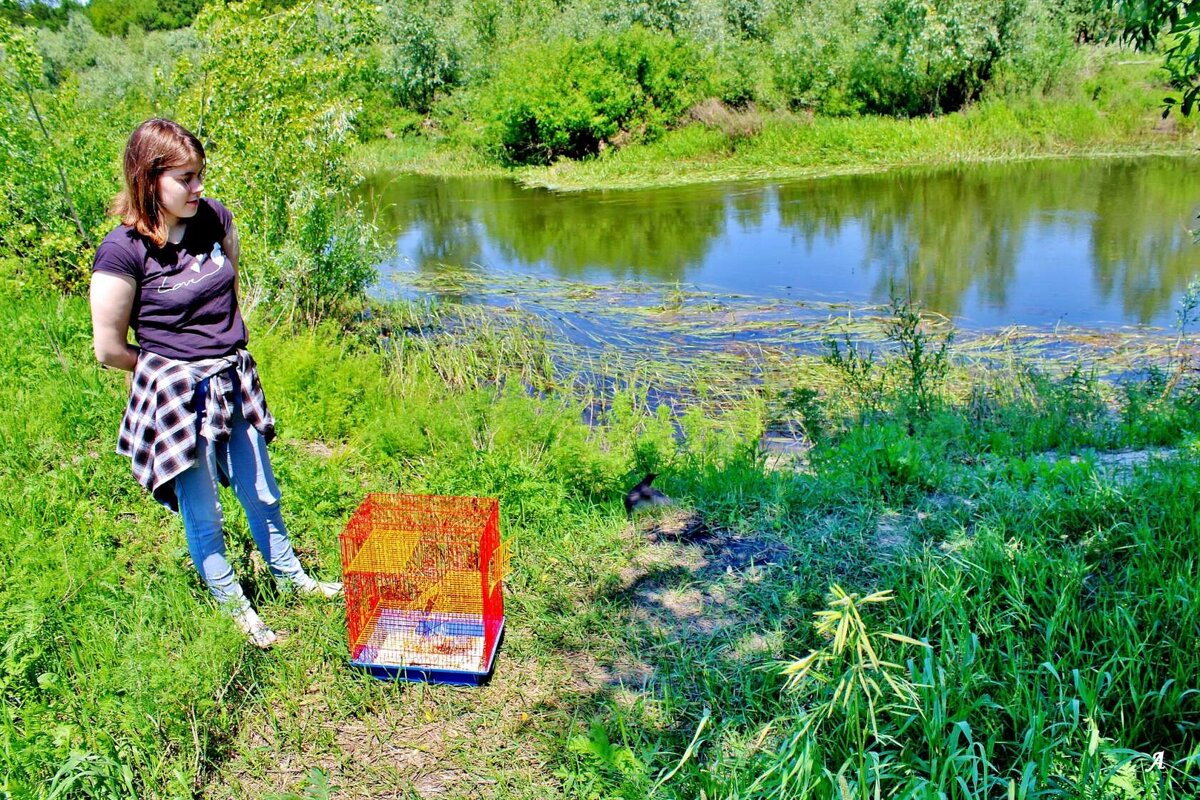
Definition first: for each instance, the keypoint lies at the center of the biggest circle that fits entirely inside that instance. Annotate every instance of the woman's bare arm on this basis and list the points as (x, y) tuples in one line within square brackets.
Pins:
[(112, 303), (231, 245)]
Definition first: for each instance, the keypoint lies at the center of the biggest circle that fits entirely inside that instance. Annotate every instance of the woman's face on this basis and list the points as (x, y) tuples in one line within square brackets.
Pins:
[(179, 191)]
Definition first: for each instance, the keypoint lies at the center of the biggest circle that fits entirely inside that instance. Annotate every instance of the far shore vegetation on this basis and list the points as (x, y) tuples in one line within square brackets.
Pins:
[(717, 143)]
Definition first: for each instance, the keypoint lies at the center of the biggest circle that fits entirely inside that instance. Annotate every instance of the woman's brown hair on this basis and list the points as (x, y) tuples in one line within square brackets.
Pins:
[(156, 146)]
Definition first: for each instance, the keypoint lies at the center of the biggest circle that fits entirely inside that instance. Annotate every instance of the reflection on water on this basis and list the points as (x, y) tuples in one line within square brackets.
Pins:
[(1084, 242)]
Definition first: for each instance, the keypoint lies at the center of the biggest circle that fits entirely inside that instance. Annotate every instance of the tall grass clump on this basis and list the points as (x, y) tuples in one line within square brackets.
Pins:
[(1045, 590), (846, 696), (914, 372), (1051, 626)]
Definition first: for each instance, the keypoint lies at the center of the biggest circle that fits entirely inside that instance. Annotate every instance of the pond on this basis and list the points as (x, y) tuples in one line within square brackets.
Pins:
[(1094, 243)]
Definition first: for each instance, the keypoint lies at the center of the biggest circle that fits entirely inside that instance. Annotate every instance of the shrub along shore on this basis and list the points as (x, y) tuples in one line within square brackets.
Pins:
[(722, 144)]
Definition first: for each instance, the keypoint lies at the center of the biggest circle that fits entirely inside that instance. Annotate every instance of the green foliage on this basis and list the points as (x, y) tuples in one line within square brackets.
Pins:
[(917, 373), (884, 460), (38, 13), (620, 769), (118, 17), (1041, 54), (929, 57), (420, 57), (1144, 22), (135, 69), (316, 787), (50, 204), (671, 16), (865, 686), (856, 365), (924, 355), (812, 56), (269, 94), (569, 98), (748, 19), (742, 74)]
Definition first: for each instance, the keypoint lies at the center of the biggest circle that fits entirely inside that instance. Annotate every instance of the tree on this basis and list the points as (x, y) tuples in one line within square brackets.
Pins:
[(40, 13), (116, 17), (1145, 22), (22, 66)]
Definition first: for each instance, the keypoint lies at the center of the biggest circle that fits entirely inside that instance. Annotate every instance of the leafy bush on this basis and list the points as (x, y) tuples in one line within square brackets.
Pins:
[(748, 19), (139, 67), (811, 58), (420, 59), (570, 98), (743, 74), (40, 13), (927, 57), (276, 106), (1040, 52), (53, 191), (671, 16), (117, 17)]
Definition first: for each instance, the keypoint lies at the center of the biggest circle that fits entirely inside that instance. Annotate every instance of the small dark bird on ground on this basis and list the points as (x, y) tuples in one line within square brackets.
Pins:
[(644, 496)]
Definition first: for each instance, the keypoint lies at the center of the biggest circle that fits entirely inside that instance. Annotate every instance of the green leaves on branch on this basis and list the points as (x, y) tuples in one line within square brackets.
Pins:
[(1146, 22), (20, 55), (270, 96), (20, 76), (421, 59)]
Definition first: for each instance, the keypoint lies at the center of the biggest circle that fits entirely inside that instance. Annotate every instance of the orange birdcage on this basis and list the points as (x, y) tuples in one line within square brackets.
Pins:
[(423, 578)]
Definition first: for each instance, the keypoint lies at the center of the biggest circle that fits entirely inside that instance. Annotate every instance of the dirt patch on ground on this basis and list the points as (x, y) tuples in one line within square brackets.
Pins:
[(414, 740), (314, 448), (893, 537), (786, 452), (685, 579)]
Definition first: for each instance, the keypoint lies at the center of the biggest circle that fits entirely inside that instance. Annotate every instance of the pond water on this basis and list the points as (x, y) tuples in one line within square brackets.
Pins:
[(1090, 243)]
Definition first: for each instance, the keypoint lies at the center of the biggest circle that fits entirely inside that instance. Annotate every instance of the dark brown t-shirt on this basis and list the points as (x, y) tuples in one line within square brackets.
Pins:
[(185, 307)]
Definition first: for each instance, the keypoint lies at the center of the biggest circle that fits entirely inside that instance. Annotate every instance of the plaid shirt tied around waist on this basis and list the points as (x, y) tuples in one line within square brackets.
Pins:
[(158, 431)]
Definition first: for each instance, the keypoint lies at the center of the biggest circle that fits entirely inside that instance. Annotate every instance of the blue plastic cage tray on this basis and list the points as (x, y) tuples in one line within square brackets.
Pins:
[(427, 647)]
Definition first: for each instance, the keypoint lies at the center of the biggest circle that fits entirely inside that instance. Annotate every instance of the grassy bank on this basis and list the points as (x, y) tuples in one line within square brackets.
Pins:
[(1039, 535), (1116, 110)]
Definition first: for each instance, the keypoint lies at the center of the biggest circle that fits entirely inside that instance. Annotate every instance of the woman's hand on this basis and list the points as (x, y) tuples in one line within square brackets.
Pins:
[(112, 303)]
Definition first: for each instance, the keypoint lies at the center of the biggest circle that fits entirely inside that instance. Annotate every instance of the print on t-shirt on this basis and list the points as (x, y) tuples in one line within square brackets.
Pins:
[(196, 273)]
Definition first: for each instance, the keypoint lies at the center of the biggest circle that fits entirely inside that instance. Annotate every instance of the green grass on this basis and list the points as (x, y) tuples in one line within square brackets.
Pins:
[(1114, 109), (1058, 597)]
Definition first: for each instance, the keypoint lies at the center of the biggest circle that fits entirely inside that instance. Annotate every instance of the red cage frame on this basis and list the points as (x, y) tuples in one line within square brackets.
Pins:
[(423, 579)]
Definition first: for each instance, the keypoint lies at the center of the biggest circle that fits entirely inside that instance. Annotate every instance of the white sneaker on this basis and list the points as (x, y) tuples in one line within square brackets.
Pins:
[(255, 629), (326, 588)]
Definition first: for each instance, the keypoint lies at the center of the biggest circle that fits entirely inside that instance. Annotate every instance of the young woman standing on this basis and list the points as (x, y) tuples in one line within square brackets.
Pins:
[(196, 412)]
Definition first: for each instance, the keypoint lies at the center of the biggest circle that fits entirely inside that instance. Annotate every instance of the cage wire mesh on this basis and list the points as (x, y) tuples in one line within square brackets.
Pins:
[(423, 578)]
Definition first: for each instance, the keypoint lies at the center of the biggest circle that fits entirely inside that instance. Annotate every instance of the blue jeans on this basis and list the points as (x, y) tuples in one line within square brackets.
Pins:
[(244, 462)]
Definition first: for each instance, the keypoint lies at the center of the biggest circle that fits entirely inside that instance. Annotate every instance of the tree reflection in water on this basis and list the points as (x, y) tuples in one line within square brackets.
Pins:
[(1094, 240)]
